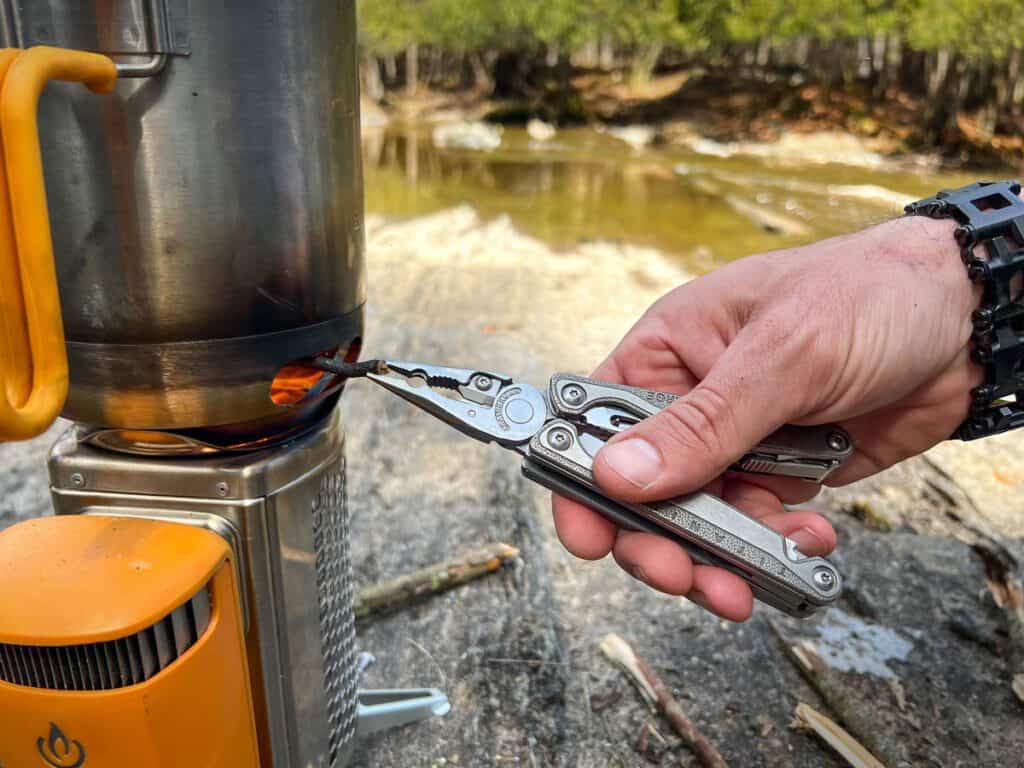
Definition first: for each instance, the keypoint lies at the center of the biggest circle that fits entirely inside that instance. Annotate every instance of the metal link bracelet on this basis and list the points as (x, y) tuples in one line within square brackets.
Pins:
[(990, 216)]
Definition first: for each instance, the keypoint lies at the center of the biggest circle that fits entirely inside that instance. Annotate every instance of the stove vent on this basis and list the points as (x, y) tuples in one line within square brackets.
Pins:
[(331, 537), (111, 664)]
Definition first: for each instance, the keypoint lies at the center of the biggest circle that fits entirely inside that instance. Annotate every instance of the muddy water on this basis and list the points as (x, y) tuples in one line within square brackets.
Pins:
[(587, 185)]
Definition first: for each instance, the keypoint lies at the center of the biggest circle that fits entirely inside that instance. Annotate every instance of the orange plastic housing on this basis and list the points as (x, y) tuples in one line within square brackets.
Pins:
[(84, 579)]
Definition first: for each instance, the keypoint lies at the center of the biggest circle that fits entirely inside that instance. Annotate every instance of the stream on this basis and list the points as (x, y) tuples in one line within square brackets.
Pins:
[(704, 208)]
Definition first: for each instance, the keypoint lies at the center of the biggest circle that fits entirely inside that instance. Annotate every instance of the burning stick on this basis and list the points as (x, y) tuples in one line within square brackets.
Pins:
[(620, 653), (433, 579), (349, 370)]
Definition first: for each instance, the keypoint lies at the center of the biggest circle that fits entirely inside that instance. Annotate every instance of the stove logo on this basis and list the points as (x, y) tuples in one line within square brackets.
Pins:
[(58, 752)]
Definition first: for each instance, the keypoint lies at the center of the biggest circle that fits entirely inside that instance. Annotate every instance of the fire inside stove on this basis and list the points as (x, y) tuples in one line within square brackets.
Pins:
[(299, 381)]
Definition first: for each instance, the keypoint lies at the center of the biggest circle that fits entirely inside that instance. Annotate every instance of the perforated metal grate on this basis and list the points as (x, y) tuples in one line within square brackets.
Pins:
[(113, 664), (337, 619)]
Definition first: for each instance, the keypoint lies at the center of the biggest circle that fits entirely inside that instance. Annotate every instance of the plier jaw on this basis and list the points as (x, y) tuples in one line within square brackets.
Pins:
[(485, 405)]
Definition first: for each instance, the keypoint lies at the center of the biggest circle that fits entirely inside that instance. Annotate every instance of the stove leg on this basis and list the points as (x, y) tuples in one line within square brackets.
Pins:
[(380, 710)]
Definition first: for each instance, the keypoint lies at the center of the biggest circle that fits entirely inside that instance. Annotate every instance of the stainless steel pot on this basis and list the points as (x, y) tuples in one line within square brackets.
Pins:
[(207, 216)]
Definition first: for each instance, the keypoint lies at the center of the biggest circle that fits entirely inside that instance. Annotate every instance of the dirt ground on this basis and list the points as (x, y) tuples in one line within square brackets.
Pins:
[(917, 660)]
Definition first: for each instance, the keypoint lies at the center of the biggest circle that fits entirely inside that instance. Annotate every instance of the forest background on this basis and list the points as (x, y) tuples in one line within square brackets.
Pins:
[(932, 75)]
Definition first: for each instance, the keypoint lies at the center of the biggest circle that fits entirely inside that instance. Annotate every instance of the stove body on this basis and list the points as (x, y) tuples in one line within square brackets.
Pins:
[(283, 512), (207, 234)]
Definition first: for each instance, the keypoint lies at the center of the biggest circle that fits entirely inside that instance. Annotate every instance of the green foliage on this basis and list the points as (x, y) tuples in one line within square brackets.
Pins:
[(974, 28)]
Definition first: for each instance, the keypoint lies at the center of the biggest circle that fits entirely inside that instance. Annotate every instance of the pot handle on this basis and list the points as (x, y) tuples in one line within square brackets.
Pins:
[(33, 360)]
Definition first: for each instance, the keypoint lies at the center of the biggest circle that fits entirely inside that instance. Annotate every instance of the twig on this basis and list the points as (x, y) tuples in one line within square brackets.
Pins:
[(826, 729), (433, 579), (651, 687), (862, 724)]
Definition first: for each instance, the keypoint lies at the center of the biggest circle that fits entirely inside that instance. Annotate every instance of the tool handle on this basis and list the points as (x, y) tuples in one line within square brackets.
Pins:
[(33, 361), (809, 453), (714, 532)]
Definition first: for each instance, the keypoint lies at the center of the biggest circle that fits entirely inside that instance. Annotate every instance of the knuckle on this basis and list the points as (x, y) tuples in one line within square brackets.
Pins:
[(700, 421)]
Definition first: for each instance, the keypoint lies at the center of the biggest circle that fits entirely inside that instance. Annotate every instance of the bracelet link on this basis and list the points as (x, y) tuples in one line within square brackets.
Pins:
[(990, 216)]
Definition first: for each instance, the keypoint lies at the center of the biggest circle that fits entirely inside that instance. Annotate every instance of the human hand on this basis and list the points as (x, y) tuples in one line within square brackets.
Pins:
[(869, 331)]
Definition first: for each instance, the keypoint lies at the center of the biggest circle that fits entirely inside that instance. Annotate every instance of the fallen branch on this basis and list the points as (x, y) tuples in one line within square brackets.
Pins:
[(834, 691), (826, 729), (433, 579), (620, 653)]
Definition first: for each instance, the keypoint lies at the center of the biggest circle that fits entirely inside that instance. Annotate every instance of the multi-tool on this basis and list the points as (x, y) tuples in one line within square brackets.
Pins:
[(559, 432)]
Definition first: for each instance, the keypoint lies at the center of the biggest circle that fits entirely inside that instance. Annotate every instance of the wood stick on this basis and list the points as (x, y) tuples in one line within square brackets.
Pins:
[(826, 729), (620, 653), (861, 721), (386, 595)]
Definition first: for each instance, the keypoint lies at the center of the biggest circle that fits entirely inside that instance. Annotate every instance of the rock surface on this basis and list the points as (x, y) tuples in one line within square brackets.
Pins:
[(517, 651)]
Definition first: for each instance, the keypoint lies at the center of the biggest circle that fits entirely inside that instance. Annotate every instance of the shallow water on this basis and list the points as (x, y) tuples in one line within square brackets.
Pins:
[(586, 185)]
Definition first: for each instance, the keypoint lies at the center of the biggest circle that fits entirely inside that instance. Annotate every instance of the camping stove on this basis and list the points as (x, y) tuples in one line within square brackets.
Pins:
[(192, 601), (283, 512)]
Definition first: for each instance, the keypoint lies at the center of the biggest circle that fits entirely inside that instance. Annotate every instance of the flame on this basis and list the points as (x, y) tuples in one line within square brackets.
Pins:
[(57, 737), (293, 382), (296, 380), (58, 752)]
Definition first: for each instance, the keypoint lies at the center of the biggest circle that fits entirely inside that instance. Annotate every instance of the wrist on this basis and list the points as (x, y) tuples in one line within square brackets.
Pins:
[(929, 248)]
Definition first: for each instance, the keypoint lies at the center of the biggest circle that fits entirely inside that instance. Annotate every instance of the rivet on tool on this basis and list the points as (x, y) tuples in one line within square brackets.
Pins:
[(824, 578), (559, 438), (222, 489), (574, 394), (78, 480), (483, 383), (837, 441)]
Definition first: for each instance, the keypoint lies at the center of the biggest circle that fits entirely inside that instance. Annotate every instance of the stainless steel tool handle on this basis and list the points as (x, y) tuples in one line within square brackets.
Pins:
[(809, 453), (713, 531)]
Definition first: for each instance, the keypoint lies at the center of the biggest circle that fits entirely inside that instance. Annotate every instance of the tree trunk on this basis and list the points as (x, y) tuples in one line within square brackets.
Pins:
[(390, 70), (941, 60), (801, 52), (764, 53), (483, 79), (644, 62), (893, 64), (435, 67), (864, 66), (606, 53), (551, 55), (373, 87), (587, 57), (412, 69), (835, 67), (1010, 96), (949, 91)]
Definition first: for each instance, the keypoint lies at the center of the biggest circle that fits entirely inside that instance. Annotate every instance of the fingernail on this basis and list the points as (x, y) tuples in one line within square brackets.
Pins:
[(638, 573), (634, 459), (808, 542)]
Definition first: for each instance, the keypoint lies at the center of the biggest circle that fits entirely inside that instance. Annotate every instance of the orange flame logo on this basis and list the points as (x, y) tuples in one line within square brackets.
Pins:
[(58, 751)]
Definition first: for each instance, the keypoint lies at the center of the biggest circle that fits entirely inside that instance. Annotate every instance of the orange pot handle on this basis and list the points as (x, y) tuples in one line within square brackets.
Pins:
[(33, 360)]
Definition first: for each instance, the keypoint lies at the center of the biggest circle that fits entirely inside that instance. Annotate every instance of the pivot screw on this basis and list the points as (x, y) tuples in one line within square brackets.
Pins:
[(837, 441), (483, 383), (824, 578), (559, 438), (222, 489), (574, 394), (78, 480)]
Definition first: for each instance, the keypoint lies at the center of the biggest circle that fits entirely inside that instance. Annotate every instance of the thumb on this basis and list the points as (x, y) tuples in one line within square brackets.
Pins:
[(682, 448)]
